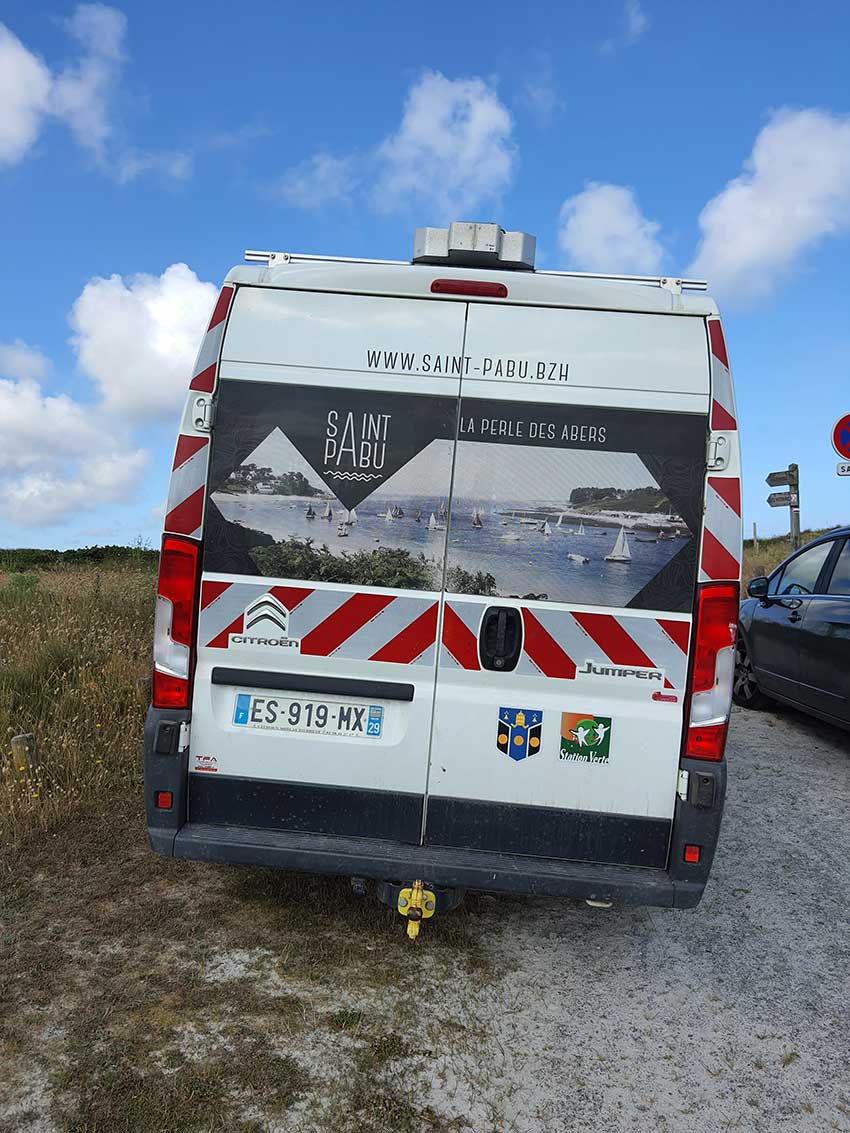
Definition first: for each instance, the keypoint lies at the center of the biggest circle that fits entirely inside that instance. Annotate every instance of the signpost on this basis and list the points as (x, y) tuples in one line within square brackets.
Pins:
[(843, 468), (790, 499)]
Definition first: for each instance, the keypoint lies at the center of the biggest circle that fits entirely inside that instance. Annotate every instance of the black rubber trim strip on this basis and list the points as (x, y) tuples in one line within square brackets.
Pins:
[(310, 807), (307, 682), (548, 832)]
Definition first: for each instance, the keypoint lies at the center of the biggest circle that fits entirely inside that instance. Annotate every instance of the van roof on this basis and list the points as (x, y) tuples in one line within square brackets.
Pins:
[(536, 288)]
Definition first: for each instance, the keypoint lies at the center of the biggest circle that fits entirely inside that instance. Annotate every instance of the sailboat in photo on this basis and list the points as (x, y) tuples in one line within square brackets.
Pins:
[(442, 510), (327, 513), (476, 518), (352, 517), (309, 513), (580, 527), (388, 516), (544, 528), (621, 552), (433, 525)]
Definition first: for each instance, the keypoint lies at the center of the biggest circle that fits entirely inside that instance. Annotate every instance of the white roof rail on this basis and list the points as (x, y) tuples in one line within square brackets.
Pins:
[(669, 282)]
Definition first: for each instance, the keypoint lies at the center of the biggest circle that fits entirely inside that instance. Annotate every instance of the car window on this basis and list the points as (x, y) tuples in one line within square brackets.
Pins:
[(801, 574), (773, 585), (840, 581)]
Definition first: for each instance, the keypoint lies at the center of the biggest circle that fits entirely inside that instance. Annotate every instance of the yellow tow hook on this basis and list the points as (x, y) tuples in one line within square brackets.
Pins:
[(416, 904)]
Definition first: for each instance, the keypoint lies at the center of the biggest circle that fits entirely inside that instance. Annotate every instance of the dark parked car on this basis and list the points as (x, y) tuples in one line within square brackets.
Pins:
[(794, 639)]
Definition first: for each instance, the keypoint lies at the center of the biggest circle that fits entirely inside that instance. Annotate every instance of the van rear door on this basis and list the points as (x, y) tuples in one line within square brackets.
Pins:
[(324, 542), (570, 577)]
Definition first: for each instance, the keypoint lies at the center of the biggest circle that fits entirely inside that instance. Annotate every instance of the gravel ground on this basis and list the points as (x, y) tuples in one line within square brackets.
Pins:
[(150, 981), (734, 1015)]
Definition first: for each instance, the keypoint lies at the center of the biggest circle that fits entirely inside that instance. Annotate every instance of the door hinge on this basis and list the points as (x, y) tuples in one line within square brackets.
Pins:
[(682, 789), (183, 737), (718, 452), (203, 413)]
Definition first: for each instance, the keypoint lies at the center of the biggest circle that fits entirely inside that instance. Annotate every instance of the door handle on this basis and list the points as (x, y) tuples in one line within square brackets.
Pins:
[(795, 617), (500, 639)]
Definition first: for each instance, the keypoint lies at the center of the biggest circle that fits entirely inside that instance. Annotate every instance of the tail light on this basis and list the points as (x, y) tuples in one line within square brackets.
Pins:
[(174, 622), (713, 669)]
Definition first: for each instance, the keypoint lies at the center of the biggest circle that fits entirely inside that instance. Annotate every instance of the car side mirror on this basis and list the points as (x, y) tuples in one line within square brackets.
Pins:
[(757, 587)]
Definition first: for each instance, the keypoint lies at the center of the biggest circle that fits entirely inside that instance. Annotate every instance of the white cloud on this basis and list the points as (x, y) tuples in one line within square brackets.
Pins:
[(20, 361), (173, 165), (136, 338), (24, 95), (603, 230), (636, 19), (793, 192), (58, 457), (81, 93), (82, 96), (318, 180), (539, 92), (453, 149), (635, 23)]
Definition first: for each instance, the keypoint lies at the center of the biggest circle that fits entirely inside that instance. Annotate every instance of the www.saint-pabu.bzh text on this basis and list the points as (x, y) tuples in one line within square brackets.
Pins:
[(462, 365)]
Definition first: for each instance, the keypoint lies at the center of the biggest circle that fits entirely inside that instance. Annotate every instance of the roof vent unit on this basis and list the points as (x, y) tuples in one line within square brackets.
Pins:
[(465, 244)]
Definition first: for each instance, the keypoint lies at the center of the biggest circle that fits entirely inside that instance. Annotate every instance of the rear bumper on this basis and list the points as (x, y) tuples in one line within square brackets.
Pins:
[(680, 885), (440, 866)]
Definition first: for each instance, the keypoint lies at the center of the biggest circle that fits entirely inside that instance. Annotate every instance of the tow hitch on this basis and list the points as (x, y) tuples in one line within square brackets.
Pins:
[(416, 903)]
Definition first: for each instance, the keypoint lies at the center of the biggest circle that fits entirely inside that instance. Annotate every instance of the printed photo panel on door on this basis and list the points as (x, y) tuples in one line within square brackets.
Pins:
[(565, 503), (333, 484)]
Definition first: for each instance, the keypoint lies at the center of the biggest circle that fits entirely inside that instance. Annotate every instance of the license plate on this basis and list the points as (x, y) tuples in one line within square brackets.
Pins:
[(314, 717)]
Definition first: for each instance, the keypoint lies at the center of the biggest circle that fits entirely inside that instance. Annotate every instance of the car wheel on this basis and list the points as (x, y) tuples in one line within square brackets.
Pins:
[(745, 691)]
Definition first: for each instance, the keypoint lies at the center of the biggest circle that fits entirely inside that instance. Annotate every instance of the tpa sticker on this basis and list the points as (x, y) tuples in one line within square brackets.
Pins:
[(266, 623), (205, 763), (518, 733), (585, 737)]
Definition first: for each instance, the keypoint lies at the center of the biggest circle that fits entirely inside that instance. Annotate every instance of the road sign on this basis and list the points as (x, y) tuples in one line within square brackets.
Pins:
[(789, 475), (841, 436), (783, 499), (774, 479), (843, 468)]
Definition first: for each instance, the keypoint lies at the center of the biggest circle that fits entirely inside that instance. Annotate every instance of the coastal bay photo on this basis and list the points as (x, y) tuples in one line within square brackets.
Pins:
[(423, 493)]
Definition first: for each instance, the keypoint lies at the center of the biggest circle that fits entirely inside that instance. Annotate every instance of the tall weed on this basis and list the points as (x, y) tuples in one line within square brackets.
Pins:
[(74, 655)]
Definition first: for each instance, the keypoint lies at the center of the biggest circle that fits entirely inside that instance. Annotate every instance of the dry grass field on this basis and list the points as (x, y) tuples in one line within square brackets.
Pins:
[(74, 658)]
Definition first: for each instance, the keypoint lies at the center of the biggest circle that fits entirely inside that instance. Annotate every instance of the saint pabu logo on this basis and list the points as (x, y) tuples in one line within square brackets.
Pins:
[(585, 737)]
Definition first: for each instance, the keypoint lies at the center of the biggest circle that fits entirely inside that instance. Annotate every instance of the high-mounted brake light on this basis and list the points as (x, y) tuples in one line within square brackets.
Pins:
[(713, 669), (469, 287), (174, 622)]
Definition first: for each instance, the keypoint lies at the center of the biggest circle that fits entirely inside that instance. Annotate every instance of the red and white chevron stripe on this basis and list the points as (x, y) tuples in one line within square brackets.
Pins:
[(720, 560), (206, 364), (557, 642), (184, 511), (329, 623), (724, 416), (721, 554)]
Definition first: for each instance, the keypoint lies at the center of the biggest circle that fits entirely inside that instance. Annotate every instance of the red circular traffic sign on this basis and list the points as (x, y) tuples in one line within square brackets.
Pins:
[(841, 436)]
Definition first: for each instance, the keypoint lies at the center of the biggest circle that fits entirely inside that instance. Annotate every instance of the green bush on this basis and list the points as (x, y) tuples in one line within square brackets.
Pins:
[(385, 566)]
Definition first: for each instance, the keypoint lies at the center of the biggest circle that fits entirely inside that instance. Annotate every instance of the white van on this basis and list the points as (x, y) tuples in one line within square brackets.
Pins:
[(450, 575)]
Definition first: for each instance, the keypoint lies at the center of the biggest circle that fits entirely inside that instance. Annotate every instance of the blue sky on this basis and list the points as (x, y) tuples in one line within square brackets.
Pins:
[(635, 137)]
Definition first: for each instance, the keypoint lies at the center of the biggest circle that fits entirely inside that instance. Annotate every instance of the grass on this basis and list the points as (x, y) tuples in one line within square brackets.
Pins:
[(75, 645)]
